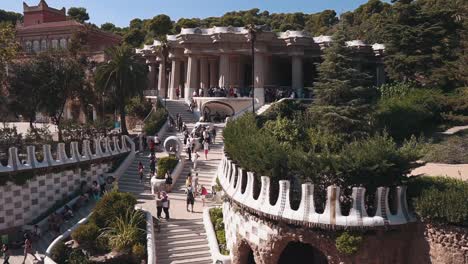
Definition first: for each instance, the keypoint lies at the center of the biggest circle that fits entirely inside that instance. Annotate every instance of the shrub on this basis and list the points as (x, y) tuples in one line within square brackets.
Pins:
[(60, 252), (138, 107), (78, 257), (111, 206), (452, 150), (348, 243), (216, 217), (253, 149), (155, 121), (86, 235), (139, 251), (440, 199), (166, 164), (416, 112), (124, 232)]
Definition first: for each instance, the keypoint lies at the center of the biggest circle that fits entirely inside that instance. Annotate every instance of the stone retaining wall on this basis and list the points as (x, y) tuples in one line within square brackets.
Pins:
[(52, 179), (447, 244)]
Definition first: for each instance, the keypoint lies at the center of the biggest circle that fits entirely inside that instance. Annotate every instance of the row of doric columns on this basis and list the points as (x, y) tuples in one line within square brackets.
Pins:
[(224, 70)]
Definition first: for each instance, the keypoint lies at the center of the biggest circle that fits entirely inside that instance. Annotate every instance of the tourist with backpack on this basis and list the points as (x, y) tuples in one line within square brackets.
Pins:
[(190, 198)]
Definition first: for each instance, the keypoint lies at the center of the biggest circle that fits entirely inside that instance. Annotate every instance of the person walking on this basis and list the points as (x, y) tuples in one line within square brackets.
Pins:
[(165, 204), (177, 91), (152, 165), (28, 248), (152, 147), (190, 198), (195, 184), (140, 171), (213, 131), (206, 147), (189, 150), (6, 254), (188, 181), (157, 142), (204, 193), (159, 207), (195, 161)]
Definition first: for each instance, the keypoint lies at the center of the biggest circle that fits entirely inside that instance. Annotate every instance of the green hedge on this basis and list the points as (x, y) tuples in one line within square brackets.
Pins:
[(440, 199), (155, 122), (216, 217), (452, 150), (111, 206), (166, 164), (86, 235), (348, 243)]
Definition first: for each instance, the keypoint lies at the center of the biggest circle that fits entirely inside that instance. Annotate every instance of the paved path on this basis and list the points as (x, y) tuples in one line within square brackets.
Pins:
[(40, 246), (182, 238)]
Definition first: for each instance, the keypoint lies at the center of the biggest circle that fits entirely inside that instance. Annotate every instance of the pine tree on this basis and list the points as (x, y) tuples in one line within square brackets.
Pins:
[(343, 93)]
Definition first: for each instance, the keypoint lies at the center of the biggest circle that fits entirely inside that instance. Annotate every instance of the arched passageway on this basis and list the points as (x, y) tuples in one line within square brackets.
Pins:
[(246, 255), (300, 253)]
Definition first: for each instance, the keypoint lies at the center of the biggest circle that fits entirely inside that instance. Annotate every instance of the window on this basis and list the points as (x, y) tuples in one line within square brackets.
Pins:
[(28, 46), (43, 45), (36, 46), (55, 44), (63, 43)]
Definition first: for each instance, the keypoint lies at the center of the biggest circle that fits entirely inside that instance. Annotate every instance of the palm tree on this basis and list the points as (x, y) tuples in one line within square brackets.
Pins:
[(122, 77)]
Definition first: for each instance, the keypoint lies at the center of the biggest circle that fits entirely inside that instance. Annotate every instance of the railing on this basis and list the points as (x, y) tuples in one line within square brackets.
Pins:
[(238, 185), (62, 158)]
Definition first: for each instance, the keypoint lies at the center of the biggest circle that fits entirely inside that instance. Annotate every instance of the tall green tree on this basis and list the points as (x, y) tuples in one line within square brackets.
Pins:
[(342, 93), (122, 78), (160, 25), (62, 79), (422, 42), (24, 90), (79, 14), (8, 48), (134, 38)]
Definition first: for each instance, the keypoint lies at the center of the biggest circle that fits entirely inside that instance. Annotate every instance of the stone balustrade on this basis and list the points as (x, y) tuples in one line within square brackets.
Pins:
[(86, 154), (232, 178)]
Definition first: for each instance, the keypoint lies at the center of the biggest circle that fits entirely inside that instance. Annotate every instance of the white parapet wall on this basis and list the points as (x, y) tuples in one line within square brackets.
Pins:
[(238, 185), (216, 255), (54, 178)]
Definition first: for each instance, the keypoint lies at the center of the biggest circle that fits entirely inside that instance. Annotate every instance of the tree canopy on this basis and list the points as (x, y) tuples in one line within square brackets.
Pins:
[(79, 14)]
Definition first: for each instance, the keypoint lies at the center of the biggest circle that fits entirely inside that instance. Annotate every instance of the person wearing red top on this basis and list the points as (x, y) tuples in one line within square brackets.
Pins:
[(204, 193)]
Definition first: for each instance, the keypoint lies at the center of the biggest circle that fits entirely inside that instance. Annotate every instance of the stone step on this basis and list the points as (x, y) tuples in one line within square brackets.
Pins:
[(184, 256)]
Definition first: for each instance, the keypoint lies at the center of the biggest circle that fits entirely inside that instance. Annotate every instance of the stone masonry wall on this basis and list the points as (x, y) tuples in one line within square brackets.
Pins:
[(19, 205), (268, 240), (447, 244)]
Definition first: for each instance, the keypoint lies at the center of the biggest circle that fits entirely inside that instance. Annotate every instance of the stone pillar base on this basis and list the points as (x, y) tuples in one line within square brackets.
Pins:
[(259, 94)]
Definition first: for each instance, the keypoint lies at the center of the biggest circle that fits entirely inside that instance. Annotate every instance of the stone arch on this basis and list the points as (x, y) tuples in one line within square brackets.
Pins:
[(173, 145), (244, 253), (301, 253), (211, 109)]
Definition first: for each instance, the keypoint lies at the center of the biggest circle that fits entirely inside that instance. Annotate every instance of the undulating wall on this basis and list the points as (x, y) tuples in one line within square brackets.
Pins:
[(20, 204), (30, 187), (268, 239)]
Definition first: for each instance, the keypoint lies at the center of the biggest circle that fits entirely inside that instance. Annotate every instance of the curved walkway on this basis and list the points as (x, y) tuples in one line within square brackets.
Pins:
[(40, 246)]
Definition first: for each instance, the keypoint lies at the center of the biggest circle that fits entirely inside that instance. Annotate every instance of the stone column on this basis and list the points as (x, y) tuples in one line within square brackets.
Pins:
[(175, 79), (151, 75), (241, 73), (259, 73), (204, 75), (233, 71), (192, 77), (223, 70), (162, 82), (213, 73), (297, 76)]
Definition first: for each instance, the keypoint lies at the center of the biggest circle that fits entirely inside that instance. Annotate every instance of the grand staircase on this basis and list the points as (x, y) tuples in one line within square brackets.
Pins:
[(182, 238)]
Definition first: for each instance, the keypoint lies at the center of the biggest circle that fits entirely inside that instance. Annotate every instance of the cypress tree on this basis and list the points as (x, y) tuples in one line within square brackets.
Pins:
[(343, 92)]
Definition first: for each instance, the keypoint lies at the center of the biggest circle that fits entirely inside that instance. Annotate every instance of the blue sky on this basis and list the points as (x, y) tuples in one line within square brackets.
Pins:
[(120, 12)]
